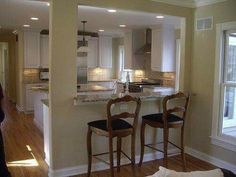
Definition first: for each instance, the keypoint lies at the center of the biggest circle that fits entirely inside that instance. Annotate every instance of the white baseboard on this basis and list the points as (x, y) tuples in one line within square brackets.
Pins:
[(19, 108), (82, 169), (210, 159)]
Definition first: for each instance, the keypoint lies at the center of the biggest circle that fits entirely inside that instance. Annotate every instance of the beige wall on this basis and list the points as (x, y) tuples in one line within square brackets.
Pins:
[(202, 80), (11, 65), (69, 122)]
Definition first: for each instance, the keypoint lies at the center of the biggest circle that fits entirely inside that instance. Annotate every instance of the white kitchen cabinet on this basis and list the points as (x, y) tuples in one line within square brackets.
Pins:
[(93, 53), (44, 51), (38, 96), (105, 51), (29, 98), (163, 49), (31, 49), (134, 40)]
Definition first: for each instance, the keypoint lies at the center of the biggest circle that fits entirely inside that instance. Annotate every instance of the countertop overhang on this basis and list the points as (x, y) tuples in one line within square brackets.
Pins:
[(104, 98)]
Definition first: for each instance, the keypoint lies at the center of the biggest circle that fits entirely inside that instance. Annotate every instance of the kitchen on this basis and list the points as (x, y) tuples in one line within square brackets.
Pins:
[(126, 53), (57, 83), (120, 58)]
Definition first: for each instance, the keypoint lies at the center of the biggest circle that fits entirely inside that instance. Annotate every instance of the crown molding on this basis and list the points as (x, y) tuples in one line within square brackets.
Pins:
[(199, 3), (190, 3)]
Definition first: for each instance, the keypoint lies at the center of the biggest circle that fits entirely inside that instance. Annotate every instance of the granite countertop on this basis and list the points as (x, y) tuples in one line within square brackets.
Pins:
[(103, 98), (42, 88), (106, 80), (45, 102), (93, 88)]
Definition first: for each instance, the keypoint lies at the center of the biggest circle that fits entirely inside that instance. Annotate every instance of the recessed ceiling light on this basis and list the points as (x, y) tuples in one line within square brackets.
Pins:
[(111, 10), (101, 30), (26, 26), (122, 26), (15, 32), (48, 4), (34, 18), (159, 16)]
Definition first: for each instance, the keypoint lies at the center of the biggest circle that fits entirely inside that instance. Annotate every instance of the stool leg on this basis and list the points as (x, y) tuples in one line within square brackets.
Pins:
[(182, 149), (111, 156), (89, 149), (165, 137), (133, 148), (142, 137), (119, 141)]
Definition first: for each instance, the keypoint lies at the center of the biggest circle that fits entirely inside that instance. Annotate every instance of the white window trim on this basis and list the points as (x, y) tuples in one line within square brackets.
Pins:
[(218, 139)]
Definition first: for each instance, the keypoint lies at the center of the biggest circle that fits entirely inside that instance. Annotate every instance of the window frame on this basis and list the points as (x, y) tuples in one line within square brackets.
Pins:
[(217, 138)]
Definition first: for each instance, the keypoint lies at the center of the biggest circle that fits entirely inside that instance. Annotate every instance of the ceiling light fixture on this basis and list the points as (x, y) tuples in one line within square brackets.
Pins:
[(159, 16), (48, 4), (15, 32), (101, 30), (26, 26), (111, 10), (83, 48), (122, 26), (34, 18)]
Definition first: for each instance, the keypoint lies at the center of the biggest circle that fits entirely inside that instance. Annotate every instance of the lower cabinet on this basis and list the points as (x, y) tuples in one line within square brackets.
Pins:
[(38, 108), (29, 98)]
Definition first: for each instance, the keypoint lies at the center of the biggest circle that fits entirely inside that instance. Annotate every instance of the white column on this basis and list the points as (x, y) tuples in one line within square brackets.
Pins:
[(63, 77)]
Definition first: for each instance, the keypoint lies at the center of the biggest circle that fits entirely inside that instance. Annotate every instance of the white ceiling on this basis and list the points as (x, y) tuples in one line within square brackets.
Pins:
[(190, 3), (15, 13)]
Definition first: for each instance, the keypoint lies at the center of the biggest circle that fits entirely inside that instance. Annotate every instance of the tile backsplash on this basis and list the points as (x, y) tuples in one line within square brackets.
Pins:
[(31, 76), (99, 74)]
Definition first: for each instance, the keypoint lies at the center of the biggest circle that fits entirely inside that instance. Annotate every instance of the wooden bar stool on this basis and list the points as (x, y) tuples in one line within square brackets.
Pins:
[(166, 120), (114, 126)]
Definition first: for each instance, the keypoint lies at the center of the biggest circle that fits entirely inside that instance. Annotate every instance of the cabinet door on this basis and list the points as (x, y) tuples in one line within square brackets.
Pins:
[(44, 51), (156, 54), (105, 52), (93, 53), (128, 55), (163, 49), (29, 98), (31, 49)]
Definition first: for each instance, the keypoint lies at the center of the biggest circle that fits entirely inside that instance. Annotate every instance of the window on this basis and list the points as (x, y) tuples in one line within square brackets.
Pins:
[(228, 85), (224, 103)]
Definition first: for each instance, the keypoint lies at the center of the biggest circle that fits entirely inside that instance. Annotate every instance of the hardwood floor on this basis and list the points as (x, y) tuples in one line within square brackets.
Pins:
[(24, 151), (23, 144)]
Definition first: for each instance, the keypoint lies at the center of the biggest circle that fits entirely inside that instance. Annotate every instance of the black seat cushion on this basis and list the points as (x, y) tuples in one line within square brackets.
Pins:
[(158, 118), (117, 124)]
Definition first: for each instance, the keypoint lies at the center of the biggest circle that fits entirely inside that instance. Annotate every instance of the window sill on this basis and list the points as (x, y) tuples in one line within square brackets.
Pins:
[(225, 142)]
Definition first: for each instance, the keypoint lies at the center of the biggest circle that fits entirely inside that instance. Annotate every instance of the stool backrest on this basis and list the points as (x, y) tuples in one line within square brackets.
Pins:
[(123, 115), (175, 109)]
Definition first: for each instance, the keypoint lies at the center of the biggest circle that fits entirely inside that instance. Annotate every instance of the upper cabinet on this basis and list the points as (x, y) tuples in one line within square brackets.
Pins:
[(93, 53), (105, 51), (133, 41), (163, 49), (31, 49), (100, 52), (44, 51)]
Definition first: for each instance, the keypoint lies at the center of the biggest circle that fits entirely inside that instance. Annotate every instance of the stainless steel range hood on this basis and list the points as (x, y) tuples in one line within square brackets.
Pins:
[(146, 49)]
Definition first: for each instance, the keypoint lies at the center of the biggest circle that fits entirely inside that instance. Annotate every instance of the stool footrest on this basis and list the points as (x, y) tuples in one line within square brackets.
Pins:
[(105, 153), (156, 149)]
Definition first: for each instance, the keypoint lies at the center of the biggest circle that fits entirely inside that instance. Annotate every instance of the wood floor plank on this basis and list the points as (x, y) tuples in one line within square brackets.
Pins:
[(20, 132)]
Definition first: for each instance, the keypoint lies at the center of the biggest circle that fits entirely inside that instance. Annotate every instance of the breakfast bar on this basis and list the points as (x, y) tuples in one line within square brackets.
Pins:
[(94, 107)]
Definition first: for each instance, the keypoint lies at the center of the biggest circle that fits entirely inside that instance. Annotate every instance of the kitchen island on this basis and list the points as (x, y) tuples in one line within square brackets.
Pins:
[(93, 107)]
